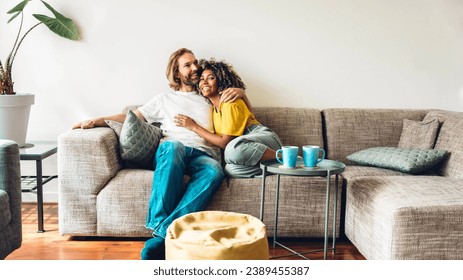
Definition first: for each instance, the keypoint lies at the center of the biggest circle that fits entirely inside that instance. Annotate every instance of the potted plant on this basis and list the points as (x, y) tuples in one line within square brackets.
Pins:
[(15, 108)]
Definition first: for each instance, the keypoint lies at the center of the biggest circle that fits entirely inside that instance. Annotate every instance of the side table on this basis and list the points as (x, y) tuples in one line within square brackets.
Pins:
[(37, 151), (326, 168)]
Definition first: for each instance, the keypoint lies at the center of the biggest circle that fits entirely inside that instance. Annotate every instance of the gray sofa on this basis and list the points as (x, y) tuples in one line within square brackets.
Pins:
[(100, 196), (10, 198), (392, 215)]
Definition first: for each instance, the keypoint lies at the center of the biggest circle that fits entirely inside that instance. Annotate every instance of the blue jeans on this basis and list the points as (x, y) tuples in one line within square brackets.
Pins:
[(169, 198)]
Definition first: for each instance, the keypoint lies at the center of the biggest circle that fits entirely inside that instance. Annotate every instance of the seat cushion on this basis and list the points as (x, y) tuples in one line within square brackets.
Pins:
[(353, 171), (406, 217), (216, 235)]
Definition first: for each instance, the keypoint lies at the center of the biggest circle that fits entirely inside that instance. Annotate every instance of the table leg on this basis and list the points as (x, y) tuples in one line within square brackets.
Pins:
[(277, 197), (335, 214), (327, 214), (262, 198), (39, 195)]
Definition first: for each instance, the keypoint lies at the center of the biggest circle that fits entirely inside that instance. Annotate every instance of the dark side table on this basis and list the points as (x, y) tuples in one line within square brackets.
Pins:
[(326, 168), (37, 151)]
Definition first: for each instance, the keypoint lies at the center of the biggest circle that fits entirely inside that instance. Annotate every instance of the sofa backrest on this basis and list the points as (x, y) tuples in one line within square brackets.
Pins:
[(450, 138), (351, 130), (294, 126)]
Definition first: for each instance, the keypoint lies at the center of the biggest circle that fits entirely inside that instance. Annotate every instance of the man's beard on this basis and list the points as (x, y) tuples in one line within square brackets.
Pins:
[(190, 80)]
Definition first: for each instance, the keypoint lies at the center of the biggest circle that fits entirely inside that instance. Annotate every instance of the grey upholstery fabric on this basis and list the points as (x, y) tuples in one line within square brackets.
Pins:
[(87, 160), (451, 139), (406, 217), (116, 126), (99, 198), (129, 189), (5, 213), (388, 214), (441, 115), (353, 171), (351, 130), (419, 134), (10, 198), (294, 126)]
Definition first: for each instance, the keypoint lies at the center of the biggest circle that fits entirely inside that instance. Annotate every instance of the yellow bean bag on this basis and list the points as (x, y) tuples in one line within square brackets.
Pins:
[(216, 235)]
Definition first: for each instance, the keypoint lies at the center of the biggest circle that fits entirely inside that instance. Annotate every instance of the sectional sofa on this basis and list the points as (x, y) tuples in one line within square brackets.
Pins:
[(386, 214)]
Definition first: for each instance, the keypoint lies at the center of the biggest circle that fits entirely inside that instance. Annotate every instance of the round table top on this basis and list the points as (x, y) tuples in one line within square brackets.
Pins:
[(322, 168)]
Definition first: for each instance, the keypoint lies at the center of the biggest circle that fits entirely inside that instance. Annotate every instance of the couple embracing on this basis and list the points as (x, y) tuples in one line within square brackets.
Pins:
[(207, 110)]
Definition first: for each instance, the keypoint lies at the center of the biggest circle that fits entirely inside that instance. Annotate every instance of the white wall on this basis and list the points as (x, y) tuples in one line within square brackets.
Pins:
[(312, 53)]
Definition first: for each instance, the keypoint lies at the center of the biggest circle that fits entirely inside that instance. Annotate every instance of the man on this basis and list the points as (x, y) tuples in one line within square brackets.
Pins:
[(181, 152)]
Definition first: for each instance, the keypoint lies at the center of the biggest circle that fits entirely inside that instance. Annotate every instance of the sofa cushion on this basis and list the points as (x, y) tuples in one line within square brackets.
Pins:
[(409, 160), (419, 134), (350, 130), (294, 126), (352, 172), (139, 140), (406, 217), (441, 115), (451, 139), (122, 204)]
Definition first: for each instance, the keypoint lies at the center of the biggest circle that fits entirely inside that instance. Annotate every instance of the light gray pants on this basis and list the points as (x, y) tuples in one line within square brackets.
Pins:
[(242, 155)]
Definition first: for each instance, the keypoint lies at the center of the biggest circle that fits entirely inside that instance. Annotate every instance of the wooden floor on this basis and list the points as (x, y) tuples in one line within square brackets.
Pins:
[(52, 246)]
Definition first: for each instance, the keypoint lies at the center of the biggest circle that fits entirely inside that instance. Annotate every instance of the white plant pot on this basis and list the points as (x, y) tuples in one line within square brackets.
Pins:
[(14, 117)]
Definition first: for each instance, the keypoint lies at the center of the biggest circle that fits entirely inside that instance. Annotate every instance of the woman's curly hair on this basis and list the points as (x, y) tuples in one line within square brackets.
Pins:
[(224, 73)]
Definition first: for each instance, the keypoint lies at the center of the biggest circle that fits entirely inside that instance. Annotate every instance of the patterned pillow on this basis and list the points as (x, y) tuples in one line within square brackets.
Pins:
[(419, 134), (408, 160), (138, 141)]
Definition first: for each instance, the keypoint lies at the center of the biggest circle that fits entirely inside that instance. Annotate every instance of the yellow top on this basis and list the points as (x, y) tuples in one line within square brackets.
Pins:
[(233, 118)]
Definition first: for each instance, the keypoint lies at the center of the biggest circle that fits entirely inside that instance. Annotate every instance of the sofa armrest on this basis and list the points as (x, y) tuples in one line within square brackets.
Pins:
[(10, 198), (87, 160)]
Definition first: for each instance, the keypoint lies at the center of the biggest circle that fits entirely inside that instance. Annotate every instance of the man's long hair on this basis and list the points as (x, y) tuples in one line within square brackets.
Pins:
[(172, 68), (224, 73)]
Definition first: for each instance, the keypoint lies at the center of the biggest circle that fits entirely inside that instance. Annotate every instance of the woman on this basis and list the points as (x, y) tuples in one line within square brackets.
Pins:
[(245, 140)]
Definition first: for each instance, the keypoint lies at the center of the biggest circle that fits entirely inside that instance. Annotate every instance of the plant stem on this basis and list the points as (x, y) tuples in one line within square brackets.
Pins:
[(15, 51), (2, 72)]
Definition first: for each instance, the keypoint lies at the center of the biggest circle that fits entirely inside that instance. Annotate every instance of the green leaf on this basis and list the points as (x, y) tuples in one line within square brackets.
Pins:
[(13, 17), (17, 10), (62, 26), (55, 13)]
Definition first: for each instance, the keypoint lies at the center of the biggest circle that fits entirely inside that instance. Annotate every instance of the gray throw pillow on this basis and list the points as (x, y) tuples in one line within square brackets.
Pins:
[(419, 134), (138, 141), (407, 160)]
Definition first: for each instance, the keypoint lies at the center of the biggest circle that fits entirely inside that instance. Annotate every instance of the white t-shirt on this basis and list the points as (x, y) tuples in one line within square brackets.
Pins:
[(165, 106)]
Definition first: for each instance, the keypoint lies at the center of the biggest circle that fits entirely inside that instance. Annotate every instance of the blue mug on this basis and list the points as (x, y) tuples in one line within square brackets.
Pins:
[(289, 156), (311, 155)]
